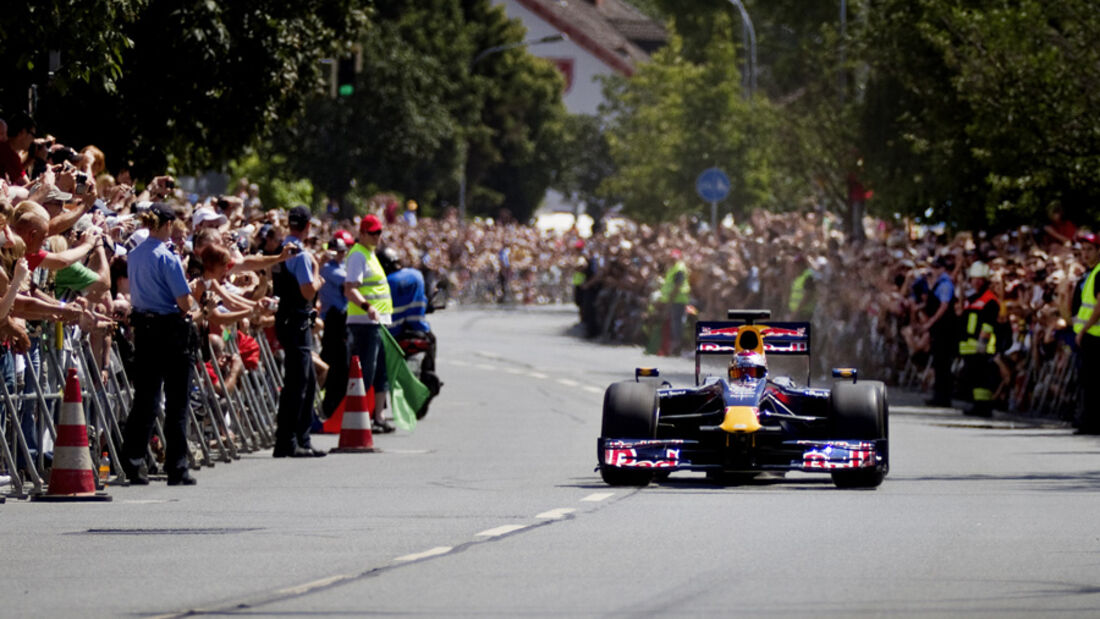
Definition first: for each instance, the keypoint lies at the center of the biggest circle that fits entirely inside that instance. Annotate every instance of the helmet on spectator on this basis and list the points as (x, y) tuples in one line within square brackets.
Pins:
[(748, 366), (389, 259), (978, 270)]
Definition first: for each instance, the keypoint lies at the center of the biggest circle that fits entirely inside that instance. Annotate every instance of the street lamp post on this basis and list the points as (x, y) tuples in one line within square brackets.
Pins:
[(749, 35), (465, 147)]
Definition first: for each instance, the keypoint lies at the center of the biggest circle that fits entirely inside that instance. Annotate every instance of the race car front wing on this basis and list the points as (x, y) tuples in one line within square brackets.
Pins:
[(675, 455)]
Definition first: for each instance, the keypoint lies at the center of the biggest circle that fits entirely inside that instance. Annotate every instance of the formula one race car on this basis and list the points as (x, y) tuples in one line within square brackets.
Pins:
[(737, 426)]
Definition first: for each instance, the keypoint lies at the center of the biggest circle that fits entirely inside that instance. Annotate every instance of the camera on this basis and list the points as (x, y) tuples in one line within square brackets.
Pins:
[(81, 183), (295, 249), (169, 184)]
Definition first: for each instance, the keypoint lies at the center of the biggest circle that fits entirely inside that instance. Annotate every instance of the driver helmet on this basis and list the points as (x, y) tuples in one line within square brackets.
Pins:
[(747, 366)]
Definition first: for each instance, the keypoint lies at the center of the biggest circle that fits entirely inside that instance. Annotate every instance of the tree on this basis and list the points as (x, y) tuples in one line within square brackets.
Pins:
[(585, 161), (673, 119), (419, 101), (185, 83)]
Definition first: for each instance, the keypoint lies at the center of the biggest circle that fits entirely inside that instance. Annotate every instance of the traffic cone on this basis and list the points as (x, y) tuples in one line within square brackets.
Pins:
[(355, 432), (72, 477)]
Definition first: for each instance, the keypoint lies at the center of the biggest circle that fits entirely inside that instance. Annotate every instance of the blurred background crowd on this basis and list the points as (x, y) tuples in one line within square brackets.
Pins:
[(69, 222)]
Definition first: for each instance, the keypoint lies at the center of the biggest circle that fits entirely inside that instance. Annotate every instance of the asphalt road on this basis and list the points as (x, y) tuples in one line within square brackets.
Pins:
[(492, 508)]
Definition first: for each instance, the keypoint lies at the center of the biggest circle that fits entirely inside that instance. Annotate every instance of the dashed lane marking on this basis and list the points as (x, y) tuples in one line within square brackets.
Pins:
[(317, 584), (591, 389), (512, 370), (433, 552), (537, 375), (568, 382), (556, 514), (598, 496), (502, 530), (485, 366)]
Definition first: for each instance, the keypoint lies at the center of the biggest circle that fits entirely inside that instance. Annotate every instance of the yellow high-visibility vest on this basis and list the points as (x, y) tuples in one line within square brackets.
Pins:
[(375, 289), (1088, 305)]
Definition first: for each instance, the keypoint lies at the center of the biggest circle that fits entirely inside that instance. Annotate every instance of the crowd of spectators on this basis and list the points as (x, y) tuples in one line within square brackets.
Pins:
[(68, 219)]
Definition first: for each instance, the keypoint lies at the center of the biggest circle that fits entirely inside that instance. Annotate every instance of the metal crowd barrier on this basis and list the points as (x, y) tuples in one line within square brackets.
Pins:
[(224, 423)]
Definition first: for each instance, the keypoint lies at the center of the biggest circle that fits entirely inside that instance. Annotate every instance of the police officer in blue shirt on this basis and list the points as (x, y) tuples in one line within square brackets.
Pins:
[(164, 340), (334, 312), (296, 284)]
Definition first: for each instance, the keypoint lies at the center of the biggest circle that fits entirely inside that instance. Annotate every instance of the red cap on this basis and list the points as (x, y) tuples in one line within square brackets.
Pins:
[(370, 223), (1088, 237), (344, 236)]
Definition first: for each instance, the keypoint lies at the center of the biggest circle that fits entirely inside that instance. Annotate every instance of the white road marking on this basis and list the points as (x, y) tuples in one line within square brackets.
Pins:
[(434, 552), (485, 366), (556, 514), (591, 389), (537, 375), (599, 496), (513, 370), (317, 584), (568, 382), (501, 530)]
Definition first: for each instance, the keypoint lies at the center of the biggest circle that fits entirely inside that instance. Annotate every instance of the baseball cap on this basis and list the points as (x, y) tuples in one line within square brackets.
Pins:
[(1088, 237), (163, 212), (370, 223), (57, 195), (344, 236), (337, 244), (205, 214), (978, 270), (298, 217)]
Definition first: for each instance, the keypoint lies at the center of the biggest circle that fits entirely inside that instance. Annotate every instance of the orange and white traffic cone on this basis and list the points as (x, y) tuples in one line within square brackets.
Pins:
[(72, 477), (355, 432)]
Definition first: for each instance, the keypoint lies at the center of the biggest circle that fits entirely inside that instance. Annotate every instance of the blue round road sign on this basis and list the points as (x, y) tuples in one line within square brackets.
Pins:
[(712, 185)]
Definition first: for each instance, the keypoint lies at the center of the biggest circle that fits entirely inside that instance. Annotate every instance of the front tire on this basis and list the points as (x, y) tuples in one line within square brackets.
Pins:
[(860, 412), (629, 411)]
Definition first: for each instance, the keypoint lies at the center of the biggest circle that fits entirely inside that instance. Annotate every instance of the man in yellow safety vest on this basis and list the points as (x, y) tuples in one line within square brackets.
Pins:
[(676, 295), (1087, 336), (370, 309)]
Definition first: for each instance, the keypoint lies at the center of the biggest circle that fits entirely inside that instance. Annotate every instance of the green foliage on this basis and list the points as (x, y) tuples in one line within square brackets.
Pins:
[(585, 161), (419, 101), (186, 84), (89, 35), (673, 119), (276, 189), (984, 112)]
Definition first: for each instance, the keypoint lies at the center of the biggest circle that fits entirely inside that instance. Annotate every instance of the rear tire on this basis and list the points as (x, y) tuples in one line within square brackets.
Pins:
[(629, 411), (860, 412)]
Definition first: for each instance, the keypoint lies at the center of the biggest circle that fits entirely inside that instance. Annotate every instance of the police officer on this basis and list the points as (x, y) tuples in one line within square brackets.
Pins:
[(1087, 336), (370, 308), (940, 326), (296, 283), (334, 312), (979, 342), (164, 341)]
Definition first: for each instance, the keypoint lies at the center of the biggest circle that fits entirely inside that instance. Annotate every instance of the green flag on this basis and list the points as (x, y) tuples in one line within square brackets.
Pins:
[(409, 394)]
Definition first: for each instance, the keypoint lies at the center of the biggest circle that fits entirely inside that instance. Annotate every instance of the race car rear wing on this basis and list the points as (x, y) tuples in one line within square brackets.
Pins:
[(744, 333)]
